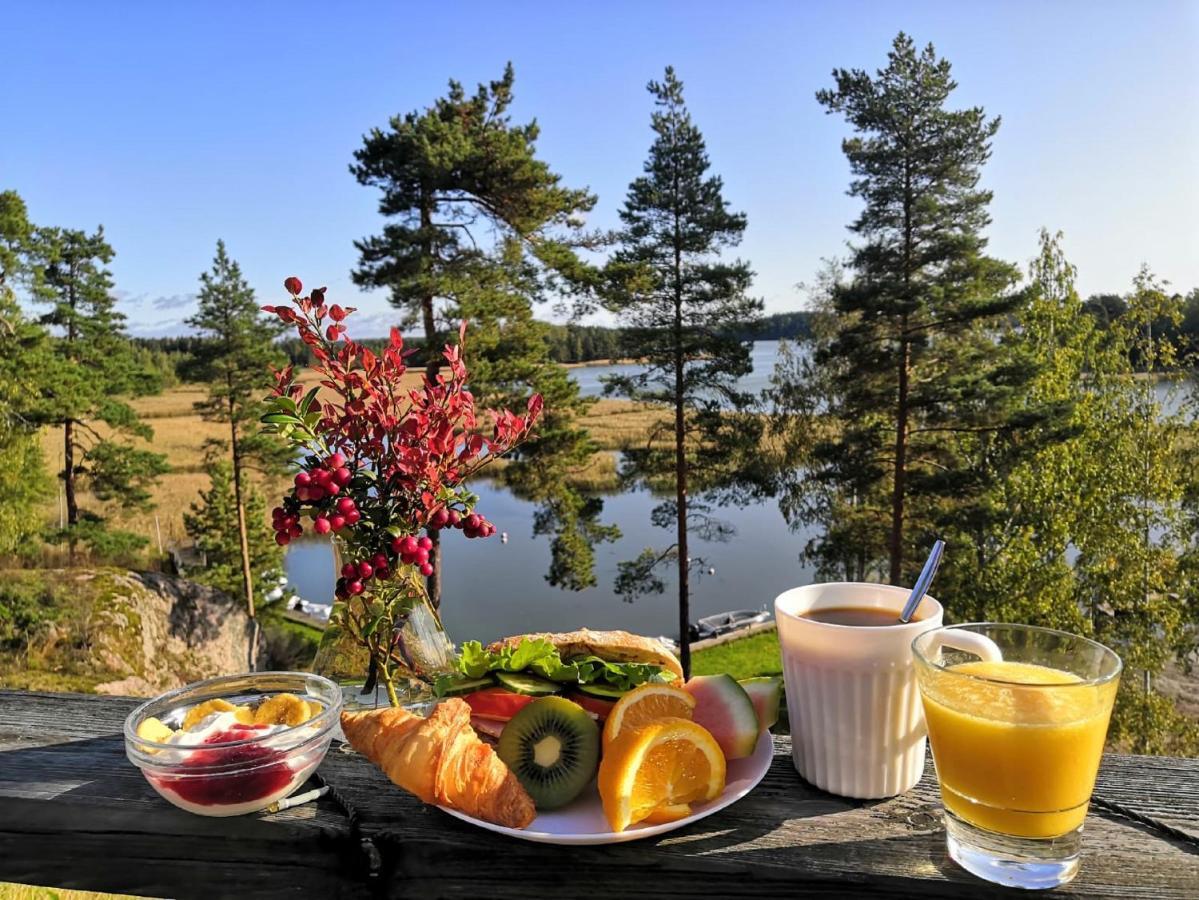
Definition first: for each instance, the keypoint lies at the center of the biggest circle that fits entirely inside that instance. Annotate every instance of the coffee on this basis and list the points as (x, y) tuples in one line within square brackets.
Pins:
[(854, 615)]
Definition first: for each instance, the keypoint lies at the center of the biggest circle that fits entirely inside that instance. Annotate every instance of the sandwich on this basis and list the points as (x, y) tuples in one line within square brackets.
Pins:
[(592, 668)]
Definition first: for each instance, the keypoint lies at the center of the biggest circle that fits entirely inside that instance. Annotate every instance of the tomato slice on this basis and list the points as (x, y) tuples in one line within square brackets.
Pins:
[(593, 705), (497, 703)]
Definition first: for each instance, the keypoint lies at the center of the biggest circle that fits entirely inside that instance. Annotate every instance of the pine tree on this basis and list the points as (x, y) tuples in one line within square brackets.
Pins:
[(481, 229), (680, 303), (911, 362), (23, 355), (225, 553), (94, 366), (234, 359)]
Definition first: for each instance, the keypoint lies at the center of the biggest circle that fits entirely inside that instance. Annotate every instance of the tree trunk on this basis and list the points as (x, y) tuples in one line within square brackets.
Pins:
[(247, 577), (680, 467), (901, 450), (433, 366), (68, 482), (899, 483)]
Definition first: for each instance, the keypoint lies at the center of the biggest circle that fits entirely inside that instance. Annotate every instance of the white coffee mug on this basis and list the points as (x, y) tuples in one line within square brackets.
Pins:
[(857, 727)]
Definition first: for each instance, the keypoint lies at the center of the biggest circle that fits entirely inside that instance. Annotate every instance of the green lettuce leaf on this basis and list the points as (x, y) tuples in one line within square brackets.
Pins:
[(540, 657)]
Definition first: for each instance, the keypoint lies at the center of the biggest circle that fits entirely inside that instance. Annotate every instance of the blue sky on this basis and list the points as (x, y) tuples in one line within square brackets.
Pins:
[(175, 124)]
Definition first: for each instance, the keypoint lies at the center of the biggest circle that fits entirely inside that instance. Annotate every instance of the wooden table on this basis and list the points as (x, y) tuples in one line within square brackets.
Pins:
[(75, 813)]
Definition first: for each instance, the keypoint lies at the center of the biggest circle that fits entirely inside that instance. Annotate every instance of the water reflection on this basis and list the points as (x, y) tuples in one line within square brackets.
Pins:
[(491, 589)]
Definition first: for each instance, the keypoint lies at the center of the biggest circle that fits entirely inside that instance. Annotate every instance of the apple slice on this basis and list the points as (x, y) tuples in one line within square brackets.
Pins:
[(723, 707)]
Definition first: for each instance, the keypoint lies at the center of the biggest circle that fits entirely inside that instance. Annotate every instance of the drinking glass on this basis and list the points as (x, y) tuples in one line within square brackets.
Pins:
[(1016, 738)]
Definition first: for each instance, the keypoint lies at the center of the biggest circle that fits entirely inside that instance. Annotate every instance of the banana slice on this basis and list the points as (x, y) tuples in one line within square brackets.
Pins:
[(152, 729), (314, 709), (244, 715), (203, 710), (282, 709)]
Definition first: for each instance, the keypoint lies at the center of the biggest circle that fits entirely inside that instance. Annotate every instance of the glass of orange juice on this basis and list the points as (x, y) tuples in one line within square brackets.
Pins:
[(1017, 719)]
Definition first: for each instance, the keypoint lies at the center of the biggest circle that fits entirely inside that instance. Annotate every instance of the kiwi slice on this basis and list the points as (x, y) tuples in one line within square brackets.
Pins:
[(527, 684), (552, 746)]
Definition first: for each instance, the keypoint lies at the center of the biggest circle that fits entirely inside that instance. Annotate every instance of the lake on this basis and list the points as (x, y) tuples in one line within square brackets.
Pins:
[(491, 589)]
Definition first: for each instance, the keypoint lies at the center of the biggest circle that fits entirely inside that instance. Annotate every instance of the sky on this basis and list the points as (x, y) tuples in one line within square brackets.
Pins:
[(175, 124)]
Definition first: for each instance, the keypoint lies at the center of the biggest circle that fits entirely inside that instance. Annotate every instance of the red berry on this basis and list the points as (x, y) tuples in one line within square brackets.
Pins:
[(293, 285), (439, 519), (470, 533), (315, 492), (383, 573), (332, 488), (454, 518), (421, 556), (321, 525), (337, 522), (365, 570), (278, 512), (295, 531), (408, 545), (355, 587), (342, 476), (346, 505), (426, 569), (396, 544), (322, 476), (352, 517), (473, 521), (379, 561), (425, 543), (303, 479), (336, 460), (282, 539), (349, 570)]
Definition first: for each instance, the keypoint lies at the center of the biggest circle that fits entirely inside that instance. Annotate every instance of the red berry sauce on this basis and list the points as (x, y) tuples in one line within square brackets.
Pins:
[(267, 772)]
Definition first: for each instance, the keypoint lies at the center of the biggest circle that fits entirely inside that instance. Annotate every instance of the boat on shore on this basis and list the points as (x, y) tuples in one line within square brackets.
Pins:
[(727, 623)]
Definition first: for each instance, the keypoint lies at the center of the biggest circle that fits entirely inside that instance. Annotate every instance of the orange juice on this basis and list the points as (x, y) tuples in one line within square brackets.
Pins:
[(1017, 746)]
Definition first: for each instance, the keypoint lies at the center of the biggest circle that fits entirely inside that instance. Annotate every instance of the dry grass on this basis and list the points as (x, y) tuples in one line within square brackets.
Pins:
[(180, 433), (29, 892), (617, 424)]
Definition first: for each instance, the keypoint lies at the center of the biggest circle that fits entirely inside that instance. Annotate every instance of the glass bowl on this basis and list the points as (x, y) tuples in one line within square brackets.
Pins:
[(239, 767)]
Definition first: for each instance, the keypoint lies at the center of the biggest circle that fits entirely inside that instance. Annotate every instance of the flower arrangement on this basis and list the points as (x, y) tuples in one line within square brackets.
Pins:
[(380, 463)]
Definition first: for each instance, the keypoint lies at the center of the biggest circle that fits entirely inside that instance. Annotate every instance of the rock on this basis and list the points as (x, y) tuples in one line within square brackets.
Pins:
[(131, 633)]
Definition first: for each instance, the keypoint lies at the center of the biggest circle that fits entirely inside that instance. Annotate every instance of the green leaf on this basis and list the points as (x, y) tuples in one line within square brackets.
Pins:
[(279, 419), (306, 403)]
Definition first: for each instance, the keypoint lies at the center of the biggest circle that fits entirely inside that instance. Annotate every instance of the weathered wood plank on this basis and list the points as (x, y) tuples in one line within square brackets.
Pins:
[(75, 813)]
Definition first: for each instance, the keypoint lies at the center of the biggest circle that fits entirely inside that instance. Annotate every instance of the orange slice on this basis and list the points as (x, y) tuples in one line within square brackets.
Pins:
[(669, 762), (671, 813), (646, 704)]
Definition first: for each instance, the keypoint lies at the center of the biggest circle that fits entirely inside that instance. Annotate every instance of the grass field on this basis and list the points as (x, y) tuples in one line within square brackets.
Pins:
[(745, 657), (180, 433)]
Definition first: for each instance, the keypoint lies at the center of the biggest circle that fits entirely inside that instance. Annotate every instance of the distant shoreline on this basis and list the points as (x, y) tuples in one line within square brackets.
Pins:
[(601, 362)]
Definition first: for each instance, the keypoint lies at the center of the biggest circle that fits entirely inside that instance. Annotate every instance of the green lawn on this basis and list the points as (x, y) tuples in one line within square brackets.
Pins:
[(757, 654)]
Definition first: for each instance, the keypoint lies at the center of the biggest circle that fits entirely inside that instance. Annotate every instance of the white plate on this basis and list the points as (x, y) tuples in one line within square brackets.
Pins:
[(583, 822)]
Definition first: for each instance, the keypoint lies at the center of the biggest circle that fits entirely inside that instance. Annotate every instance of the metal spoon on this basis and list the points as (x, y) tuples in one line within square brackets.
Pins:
[(927, 574)]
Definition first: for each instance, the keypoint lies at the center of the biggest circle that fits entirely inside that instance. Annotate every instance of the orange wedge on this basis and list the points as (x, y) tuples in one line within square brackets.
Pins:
[(646, 704), (671, 813), (667, 763)]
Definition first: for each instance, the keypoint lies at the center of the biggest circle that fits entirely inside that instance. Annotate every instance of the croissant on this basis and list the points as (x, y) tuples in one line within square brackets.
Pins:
[(441, 760)]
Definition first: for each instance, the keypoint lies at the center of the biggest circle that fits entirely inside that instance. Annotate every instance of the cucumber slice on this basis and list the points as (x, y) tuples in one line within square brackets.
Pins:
[(529, 685), (602, 691), (468, 686)]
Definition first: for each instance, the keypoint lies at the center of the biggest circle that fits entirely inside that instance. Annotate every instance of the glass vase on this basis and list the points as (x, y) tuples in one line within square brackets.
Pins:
[(386, 645)]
